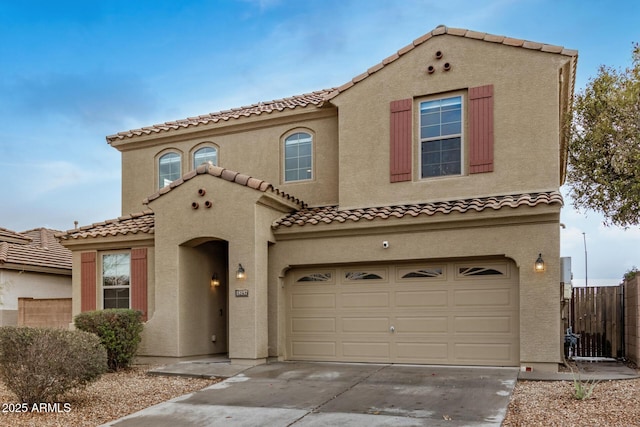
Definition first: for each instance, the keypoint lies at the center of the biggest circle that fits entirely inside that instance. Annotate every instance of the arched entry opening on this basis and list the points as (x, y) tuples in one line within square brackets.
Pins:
[(203, 297)]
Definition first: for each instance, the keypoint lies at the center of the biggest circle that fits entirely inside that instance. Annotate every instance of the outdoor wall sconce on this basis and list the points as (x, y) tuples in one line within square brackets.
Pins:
[(240, 274), (539, 265), (214, 280)]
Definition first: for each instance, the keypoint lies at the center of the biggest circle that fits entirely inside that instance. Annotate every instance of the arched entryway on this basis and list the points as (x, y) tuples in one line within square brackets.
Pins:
[(203, 297)]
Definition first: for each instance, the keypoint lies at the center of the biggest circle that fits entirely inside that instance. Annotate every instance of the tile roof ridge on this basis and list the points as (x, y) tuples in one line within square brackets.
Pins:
[(226, 174), (65, 234), (317, 98), (331, 214)]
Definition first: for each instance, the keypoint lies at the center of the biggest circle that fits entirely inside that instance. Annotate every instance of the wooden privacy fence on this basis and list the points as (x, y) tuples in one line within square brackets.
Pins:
[(597, 315)]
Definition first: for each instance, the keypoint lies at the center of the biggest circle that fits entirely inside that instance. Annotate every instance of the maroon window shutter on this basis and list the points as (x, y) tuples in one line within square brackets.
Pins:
[(139, 280), (481, 129), (87, 281), (400, 160)]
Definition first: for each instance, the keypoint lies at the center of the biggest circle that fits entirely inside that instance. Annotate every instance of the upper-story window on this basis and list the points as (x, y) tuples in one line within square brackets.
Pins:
[(441, 137), (168, 169), (298, 157), (204, 155)]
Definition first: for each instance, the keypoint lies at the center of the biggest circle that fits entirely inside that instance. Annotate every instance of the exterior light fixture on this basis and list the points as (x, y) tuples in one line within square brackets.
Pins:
[(240, 274), (214, 280), (539, 265)]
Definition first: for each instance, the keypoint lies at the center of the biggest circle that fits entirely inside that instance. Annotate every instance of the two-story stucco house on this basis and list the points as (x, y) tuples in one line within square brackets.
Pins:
[(396, 218)]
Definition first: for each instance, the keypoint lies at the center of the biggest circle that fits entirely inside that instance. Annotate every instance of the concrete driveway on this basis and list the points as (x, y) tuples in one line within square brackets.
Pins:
[(335, 394)]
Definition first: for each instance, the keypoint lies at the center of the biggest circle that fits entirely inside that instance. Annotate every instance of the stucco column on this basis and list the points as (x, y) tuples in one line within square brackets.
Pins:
[(248, 304)]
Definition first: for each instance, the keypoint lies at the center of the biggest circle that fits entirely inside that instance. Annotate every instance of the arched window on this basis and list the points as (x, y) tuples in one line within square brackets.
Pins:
[(298, 157), (168, 169), (204, 155)]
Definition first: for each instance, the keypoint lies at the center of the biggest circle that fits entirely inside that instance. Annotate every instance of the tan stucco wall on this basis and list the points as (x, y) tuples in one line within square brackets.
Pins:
[(253, 148), (526, 121), (239, 216), (447, 237)]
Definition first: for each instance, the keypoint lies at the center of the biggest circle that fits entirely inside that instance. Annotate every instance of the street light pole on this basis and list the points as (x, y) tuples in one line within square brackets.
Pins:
[(584, 237)]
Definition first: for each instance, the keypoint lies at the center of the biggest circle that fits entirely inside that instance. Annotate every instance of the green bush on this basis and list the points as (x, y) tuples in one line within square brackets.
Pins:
[(40, 364), (119, 331)]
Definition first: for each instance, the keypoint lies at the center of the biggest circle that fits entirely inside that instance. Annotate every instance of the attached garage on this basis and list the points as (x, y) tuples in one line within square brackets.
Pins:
[(462, 312)]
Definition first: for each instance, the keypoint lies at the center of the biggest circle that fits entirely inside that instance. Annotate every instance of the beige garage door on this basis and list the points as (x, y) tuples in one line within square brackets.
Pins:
[(463, 313)]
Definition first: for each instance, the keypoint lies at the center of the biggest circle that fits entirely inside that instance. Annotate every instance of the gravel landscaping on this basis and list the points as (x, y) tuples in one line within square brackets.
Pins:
[(113, 396), (544, 403), (533, 403)]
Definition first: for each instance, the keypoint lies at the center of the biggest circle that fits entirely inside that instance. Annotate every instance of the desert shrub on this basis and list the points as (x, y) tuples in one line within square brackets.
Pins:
[(40, 364), (119, 331)]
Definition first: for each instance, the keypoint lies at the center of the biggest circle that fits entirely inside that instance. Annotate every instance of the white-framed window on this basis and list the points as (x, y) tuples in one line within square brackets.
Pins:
[(441, 147), (298, 157), (169, 168), (204, 155), (116, 280)]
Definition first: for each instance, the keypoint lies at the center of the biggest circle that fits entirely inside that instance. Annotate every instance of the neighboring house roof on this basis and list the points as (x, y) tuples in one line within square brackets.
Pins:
[(330, 214), (314, 98), (142, 222), (228, 175), (318, 98), (38, 248), (7, 235)]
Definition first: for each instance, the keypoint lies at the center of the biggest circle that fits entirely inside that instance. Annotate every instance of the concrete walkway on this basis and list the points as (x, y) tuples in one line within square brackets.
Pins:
[(334, 394)]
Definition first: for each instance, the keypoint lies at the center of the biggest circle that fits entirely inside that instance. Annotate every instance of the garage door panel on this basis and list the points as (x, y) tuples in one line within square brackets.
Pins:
[(366, 350), (313, 324), (365, 300), (434, 298), (313, 349), (423, 352), (313, 301), (365, 324), (483, 297), (489, 353), (421, 325), (484, 324)]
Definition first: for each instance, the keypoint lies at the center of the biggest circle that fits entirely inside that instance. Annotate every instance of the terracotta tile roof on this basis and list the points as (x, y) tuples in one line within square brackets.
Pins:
[(332, 214), (7, 235), (142, 222), (316, 98), (461, 32), (227, 175), (39, 248)]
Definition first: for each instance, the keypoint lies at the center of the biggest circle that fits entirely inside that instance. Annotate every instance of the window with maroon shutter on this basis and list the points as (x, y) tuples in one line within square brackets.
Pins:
[(481, 129), (139, 280), (87, 281), (401, 136)]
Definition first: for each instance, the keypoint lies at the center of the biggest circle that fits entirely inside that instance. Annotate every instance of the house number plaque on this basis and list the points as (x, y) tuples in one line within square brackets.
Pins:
[(242, 292)]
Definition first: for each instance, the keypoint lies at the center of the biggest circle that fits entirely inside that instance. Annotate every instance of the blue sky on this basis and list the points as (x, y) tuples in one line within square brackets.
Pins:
[(72, 72)]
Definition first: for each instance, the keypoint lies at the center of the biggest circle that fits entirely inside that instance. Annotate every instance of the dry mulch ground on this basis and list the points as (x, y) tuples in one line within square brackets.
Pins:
[(113, 396)]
